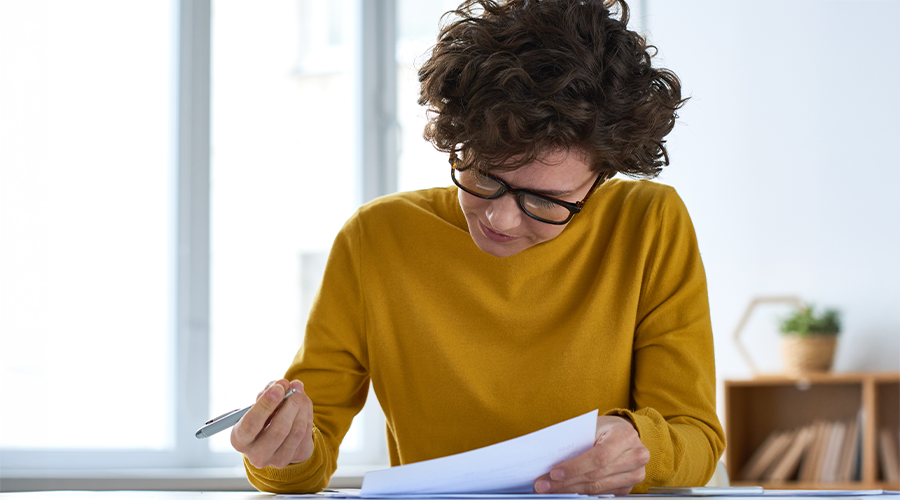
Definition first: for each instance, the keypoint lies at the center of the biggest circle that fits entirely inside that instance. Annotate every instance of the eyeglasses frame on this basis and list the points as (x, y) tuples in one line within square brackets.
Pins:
[(573, 208)]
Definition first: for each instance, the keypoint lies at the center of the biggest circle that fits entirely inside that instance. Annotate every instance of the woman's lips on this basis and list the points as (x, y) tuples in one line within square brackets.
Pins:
[(494, 236)]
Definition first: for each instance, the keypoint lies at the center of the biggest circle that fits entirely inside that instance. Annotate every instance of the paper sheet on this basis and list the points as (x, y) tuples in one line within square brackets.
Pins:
[(508, 467), (355, 494)]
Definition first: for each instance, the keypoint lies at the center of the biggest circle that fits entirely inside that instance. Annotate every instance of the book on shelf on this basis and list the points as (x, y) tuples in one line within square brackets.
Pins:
[(889, 454), (764, 457), (821, 452), (832, 453), (789, 461), (851, 451), (811, 462)]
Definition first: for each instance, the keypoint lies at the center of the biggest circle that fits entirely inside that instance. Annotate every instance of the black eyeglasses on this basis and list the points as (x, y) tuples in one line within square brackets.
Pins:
[(535, 205)]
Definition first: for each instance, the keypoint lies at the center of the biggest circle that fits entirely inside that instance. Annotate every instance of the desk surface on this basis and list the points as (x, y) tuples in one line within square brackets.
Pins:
[(137, 495)]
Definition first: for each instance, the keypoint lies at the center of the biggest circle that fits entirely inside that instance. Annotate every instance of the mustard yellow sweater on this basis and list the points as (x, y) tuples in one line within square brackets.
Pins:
[(466, 349)]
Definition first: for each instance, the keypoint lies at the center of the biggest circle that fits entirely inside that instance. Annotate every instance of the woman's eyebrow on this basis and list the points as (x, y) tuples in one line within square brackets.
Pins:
[(556, 193), (549, 192)]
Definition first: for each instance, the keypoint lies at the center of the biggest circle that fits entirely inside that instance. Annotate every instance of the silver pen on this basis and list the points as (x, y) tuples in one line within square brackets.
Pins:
[(226, 420)]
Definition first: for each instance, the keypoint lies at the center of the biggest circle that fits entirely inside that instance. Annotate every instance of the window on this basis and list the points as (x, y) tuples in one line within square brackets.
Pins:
[(157, 211), (86, 225), (283, 179), (164, 222)]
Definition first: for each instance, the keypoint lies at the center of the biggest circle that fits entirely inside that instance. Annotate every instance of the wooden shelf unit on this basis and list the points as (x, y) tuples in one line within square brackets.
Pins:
[(755, 408)]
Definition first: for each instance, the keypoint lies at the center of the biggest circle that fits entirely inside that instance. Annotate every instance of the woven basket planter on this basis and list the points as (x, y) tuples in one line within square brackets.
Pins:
[(808, 354)]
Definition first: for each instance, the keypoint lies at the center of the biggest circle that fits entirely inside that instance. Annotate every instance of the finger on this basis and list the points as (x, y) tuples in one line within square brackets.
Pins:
[(590, 465), (254, 421), (612, 453), (300, 435), (307, 446), (298, 424), (631, 461), (270, 384), (287, 388), (616, 484), (268, 442)]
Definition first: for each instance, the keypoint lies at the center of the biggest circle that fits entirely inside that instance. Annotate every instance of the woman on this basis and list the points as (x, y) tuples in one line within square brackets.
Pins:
[(534, 289)]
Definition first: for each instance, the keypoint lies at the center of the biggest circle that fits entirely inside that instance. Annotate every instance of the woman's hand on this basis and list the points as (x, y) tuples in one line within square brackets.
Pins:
[(275, 433), (612, 466)]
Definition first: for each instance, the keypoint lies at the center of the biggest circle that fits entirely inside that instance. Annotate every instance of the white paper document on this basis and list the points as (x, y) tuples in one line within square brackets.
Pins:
[(350, 494), (508, 467)]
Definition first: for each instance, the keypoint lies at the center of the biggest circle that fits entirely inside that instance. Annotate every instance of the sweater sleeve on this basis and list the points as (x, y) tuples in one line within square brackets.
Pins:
[(332, 363), (674, 381)]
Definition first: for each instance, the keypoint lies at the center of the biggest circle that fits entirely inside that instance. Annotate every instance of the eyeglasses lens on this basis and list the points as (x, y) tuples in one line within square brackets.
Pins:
[(476, 183), (544, 209), (483, 186)]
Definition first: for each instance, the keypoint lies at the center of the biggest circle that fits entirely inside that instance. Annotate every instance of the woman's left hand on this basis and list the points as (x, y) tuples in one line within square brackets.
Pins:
[(612, 466)]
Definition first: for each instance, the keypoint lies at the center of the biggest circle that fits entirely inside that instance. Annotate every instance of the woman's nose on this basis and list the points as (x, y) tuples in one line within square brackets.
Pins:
[(504, 213)]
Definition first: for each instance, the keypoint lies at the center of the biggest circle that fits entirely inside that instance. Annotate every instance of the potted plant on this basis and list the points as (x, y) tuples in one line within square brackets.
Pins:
[(809, 340)]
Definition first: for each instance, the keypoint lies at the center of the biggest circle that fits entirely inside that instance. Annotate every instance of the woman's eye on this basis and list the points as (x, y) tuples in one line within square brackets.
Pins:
[(541, 203), (483, 181)]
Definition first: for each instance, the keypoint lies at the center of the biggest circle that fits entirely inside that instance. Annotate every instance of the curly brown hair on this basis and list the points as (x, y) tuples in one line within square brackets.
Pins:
[(510, 80)]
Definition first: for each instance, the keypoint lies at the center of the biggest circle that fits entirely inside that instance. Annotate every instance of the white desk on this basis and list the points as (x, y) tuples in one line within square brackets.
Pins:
[(136, 495)]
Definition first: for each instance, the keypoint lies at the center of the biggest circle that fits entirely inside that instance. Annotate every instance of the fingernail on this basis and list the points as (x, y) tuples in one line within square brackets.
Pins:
[(557, 474), (542, 486), (274, 394)]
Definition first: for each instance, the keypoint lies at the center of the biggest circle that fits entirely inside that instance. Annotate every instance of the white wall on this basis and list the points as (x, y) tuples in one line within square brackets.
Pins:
[(787, 159)]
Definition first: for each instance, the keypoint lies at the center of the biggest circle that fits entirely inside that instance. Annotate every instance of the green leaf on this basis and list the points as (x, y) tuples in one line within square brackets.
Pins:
[(805, 321)]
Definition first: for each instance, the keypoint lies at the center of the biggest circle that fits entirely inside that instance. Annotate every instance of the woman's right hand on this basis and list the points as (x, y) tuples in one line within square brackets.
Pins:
[(275, 433)]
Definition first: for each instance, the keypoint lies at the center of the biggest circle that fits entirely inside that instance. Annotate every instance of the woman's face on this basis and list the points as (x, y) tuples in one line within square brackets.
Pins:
[(500, 228)]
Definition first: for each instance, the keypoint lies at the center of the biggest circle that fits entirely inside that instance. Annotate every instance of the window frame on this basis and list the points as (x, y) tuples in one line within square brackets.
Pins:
[(189, 328)]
